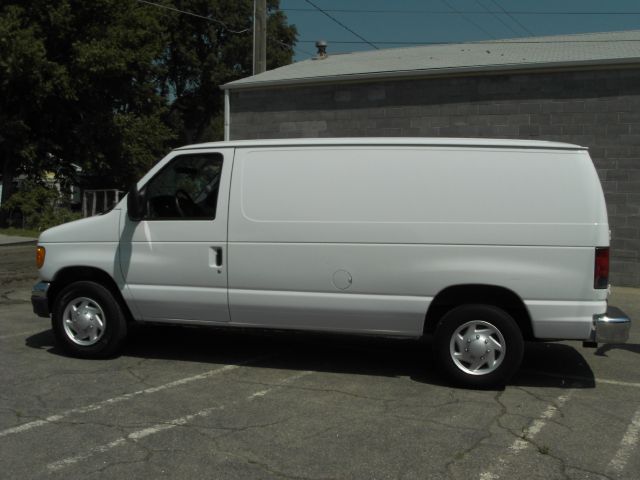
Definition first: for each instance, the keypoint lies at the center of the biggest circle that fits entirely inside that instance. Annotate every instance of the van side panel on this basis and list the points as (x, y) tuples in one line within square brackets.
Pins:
[(362, 238), (393, 285), (417, 195)]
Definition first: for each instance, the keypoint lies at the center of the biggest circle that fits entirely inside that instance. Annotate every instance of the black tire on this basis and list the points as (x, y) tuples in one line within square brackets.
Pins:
[(478, 328), (98, 311)]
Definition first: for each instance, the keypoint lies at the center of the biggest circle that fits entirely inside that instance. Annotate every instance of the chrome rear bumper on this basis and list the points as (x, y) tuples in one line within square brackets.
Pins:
[(611, 327)]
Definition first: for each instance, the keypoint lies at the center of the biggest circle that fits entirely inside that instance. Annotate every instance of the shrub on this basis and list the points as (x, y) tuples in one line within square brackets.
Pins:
[(37, 207)]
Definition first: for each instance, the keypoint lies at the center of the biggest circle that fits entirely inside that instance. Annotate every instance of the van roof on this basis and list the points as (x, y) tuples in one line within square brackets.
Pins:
[(389, 141)]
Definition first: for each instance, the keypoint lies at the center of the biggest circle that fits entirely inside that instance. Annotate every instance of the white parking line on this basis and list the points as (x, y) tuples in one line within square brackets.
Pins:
[(160, 427), (135, 436), (530, 433), (121, 398), (284, 382), (583, 379), (618, 382), (538, 424), (628, 443)]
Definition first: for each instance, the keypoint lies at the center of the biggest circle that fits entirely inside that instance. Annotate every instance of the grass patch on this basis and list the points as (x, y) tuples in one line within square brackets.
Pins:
[(19, 232)]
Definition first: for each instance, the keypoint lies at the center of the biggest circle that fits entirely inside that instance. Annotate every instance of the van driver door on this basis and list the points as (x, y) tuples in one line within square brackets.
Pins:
[(174, 259)]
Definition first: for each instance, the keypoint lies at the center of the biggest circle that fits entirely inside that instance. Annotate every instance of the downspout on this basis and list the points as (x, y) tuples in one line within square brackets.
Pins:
[(227, 116)]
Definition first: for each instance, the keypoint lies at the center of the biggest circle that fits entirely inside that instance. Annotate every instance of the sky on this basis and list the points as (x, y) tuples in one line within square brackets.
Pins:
[(448, 21)]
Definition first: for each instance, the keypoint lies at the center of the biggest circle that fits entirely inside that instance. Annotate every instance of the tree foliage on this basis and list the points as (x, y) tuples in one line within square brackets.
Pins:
[(38, 207), (202, 55), (111, 85)]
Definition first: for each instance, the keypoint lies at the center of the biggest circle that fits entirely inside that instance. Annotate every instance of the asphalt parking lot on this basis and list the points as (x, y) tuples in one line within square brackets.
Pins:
[(204, 403)]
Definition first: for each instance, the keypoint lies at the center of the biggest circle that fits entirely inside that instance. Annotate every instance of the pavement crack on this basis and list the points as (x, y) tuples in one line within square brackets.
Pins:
[(316, 389), (582, 471), (236, 429), (17, 413), (140, 378), (41, 401), (112, 464), (269, 469), (341, 392), (502, 413), (495, 420)]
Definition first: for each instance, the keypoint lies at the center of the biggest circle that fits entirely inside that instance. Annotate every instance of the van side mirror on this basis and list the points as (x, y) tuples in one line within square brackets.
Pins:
[(135, 204)]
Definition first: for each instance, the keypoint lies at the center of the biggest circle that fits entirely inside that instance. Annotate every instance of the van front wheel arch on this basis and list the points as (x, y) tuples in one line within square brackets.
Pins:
[(478, 346), (87, 320)]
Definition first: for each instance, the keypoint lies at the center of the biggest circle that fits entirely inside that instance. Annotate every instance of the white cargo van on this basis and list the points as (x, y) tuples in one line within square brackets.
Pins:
[(482, 243)]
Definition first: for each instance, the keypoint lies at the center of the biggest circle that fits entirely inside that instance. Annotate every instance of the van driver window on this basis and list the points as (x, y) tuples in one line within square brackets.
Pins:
[(186, 189)]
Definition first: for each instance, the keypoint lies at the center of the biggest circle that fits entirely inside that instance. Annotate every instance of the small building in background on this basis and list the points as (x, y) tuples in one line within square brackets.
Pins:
[(582, 89)]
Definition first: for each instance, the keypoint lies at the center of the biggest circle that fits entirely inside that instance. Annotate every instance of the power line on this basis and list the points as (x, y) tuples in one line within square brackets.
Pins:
[(210, 19), (293, 47), (468, 12), (341, 24), (499, 18), (467, 19), (219, 22), (483, 42), (512, 17)]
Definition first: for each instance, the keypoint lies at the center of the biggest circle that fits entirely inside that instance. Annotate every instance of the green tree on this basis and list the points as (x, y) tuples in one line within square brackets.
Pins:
[(110, 123), (201, 55), (27, 80), (39, 207), (111, 85), (78, 87)]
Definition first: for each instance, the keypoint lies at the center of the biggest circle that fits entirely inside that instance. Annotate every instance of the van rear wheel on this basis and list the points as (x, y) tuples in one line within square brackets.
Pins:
[(478, 346), (87, 320)]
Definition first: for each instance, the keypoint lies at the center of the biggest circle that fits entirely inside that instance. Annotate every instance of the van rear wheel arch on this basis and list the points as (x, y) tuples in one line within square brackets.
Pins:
[(479, 294)]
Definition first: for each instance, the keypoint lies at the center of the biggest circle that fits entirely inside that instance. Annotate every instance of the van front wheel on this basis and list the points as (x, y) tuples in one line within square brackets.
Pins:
[(87, 320), (478, 346)]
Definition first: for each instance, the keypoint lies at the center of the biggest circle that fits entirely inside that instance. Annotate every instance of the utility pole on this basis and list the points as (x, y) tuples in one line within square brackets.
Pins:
[(259, 36)]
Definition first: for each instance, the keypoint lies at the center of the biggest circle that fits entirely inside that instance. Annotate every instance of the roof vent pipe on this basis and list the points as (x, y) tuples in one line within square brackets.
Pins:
[(321, 45)]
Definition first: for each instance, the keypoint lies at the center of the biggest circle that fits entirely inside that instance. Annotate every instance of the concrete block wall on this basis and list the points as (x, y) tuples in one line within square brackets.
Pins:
[(598, 109)]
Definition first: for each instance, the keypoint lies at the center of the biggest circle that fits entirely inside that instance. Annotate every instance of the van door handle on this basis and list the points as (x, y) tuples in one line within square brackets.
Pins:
[(215, 257)]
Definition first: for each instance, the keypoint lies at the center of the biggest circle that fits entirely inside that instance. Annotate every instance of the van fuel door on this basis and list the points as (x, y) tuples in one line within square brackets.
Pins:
[(342, 279)]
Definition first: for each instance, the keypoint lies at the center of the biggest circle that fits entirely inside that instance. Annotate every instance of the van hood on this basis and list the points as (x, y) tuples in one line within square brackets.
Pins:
[(101, 228)]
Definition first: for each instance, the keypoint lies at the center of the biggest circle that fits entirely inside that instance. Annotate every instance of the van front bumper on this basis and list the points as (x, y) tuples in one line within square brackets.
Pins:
[(611, 327), (39, 299)]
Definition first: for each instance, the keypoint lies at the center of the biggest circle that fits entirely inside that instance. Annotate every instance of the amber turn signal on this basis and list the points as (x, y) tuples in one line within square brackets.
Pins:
[(40, 253)]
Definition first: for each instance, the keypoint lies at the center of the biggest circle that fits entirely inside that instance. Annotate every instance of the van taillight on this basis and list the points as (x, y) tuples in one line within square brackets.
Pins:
[(601, 269)]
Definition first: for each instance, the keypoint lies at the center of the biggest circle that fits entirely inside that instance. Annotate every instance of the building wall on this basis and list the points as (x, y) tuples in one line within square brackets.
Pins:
[(598, 109)]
